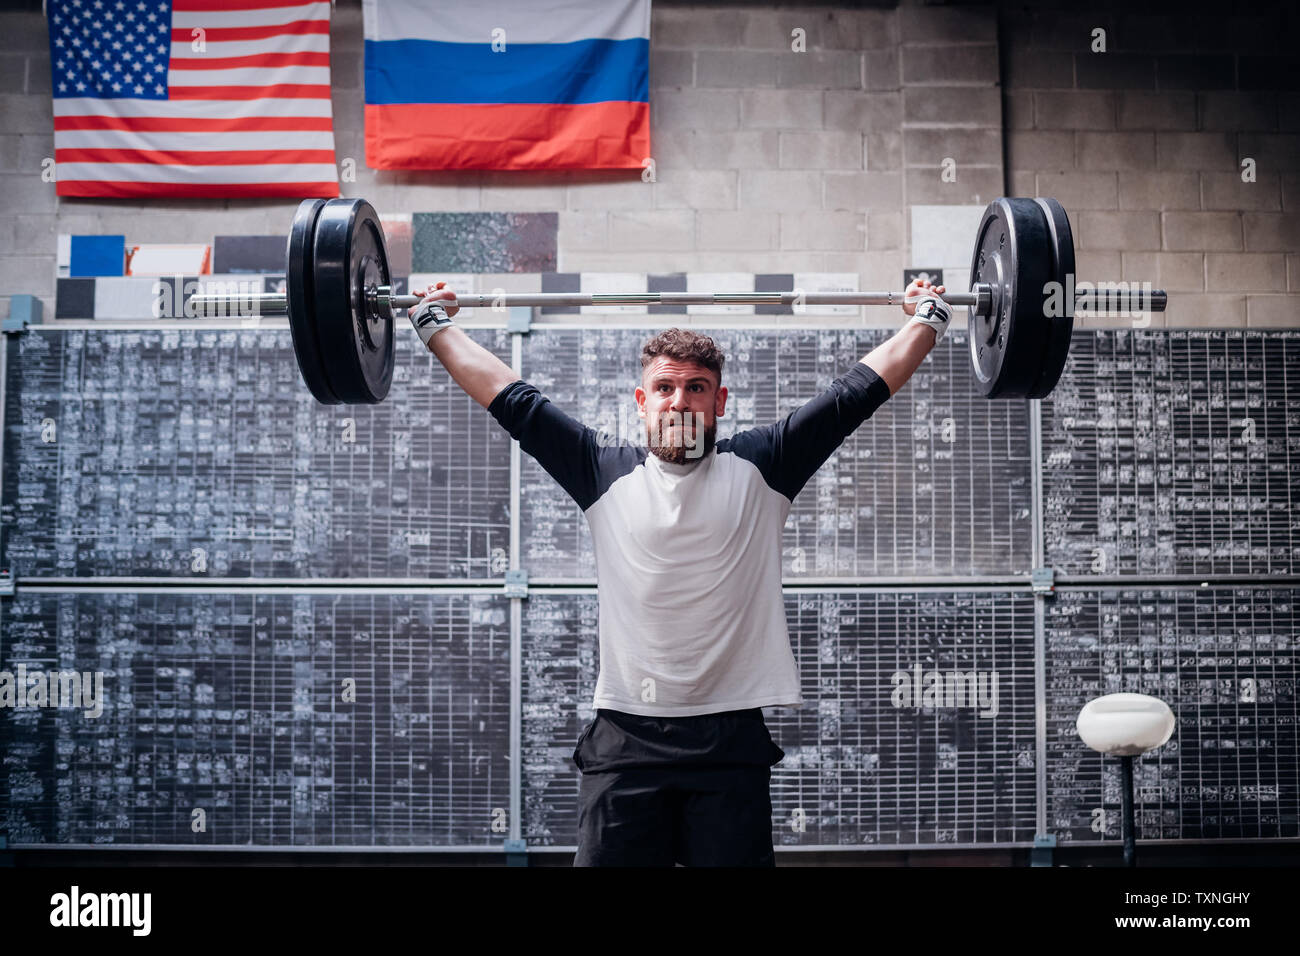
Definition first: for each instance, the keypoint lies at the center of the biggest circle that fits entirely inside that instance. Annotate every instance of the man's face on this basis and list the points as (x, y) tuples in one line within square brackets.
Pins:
[(680, 403)]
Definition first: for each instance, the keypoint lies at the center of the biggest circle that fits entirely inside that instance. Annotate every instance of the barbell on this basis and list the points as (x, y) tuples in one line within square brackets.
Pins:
[(1022, 299)]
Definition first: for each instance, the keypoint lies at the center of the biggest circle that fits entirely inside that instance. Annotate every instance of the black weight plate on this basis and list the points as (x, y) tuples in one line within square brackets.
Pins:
[(1011, 256), (299, 290), (1061, 329), (350, 260)]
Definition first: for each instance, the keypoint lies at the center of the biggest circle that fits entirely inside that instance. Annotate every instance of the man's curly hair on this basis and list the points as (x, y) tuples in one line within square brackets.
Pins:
[(685, 346)]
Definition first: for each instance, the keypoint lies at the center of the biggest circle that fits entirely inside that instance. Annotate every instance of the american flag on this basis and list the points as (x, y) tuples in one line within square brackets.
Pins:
[(192, 98)]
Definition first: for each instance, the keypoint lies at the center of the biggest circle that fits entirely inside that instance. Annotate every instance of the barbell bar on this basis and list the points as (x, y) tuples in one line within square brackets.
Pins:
[(276, 303), (339, 299)]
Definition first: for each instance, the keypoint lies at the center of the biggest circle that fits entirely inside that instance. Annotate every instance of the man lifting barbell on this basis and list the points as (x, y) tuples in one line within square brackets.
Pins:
[(676, 766)]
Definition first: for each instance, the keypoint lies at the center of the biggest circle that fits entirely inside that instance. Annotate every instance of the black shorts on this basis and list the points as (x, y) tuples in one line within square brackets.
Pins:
[(657, 791)]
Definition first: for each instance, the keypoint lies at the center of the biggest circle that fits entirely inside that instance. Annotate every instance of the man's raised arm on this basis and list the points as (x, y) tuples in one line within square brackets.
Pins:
[(480, 373), (899, 356)]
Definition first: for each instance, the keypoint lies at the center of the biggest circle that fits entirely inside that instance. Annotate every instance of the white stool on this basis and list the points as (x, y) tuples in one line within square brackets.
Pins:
[(1125, 726)]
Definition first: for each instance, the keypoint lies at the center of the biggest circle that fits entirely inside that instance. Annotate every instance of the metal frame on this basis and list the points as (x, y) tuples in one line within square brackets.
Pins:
[(467, 586)]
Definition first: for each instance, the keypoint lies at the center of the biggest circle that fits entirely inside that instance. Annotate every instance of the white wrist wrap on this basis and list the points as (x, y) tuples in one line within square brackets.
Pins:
[(429, 318), (934, 312)]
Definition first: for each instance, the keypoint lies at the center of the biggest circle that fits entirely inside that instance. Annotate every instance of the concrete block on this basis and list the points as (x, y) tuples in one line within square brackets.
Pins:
[(882, 271), (862, 112), (1022, 183), (871, 192), (943, 236), (1116, 150), (1271, 232), (583, 230), (934, 24), (824, 231), (821, 149), (780, 109), (1291, 192), (1202, 231), (1075, 110), (13, 73), (39, 77), (1171, 271), (1117, 230), (1215, 151), (1245, 272), (1080, 190), (1168, 190), (24, 32), (1195, 72), (652, 231), (1235, 111), (1040, 149), (820, 69), (691, 189), (1267, 72), (698, 28), (27, 114), (31, 275), (1097, 265), (926, 147), (1227, 191), (1273, 311), (717, 229), (880, 70), (1058, 30), (974, 184), (671, 68), (1211, 310), (1139, 109), (884, 230), (507, 192), (1038, 69), (953, 105), (946, 64), (1114, 71), (737, 69), (1288, 112), (884, 150), (707, 149), (1017, 110), (781, 189), (1274, 152), (25, 193), (9, 153), (696, 109), (1293, 273), (619, 194), (877, 29)]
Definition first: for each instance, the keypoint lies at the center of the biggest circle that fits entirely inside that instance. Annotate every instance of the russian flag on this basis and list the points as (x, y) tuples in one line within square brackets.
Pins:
[(507, 84)]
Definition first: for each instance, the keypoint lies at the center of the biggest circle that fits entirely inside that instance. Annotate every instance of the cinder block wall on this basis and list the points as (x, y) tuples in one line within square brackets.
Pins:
[(772, 160), (1144, 145)]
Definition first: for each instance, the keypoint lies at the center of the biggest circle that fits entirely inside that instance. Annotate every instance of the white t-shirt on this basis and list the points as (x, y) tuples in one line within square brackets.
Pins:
[(688, 557)]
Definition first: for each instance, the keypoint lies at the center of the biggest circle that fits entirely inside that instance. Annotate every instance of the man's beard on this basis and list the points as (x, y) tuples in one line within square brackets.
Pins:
[(677, 448)]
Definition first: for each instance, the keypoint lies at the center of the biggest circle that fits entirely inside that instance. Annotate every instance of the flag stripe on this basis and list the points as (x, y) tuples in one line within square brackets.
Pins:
[(508, 21), (162, 109), (168, 140), (130, 189), (222, 17), (239, 157), (185, 35), (429, 71), (270, 172), (305, 43), (258, 124), (261, 79), (246, 92), (254, 60), (509, 136)]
